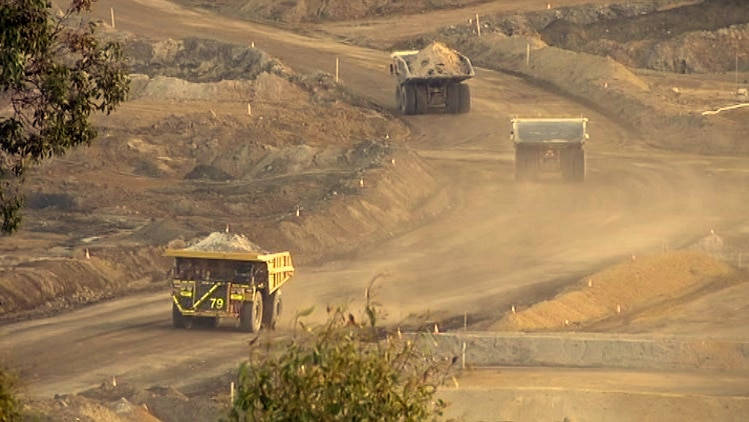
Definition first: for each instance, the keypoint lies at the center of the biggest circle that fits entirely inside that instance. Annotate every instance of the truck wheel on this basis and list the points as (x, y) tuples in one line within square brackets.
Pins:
[(398, 95), (566, 164), (578, 165), (452, 102), (179, 320), (519, 165), (272, 309), (465, 98), (422, 99), (408, 100), (251, 315), (526, 164), (533, 162)]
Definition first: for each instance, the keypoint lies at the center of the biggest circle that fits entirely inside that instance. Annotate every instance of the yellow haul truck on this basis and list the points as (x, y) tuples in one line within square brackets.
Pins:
[(432, 78), (246, 286)]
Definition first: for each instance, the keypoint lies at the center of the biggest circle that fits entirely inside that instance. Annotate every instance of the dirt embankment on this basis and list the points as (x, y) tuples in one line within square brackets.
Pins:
[(37, 287), (620, 291), (699, 38), (296, 11)]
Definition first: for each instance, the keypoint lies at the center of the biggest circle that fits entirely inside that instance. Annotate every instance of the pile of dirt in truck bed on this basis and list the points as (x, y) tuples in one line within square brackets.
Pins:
[(225, 242), (436, 59), (620, 291)]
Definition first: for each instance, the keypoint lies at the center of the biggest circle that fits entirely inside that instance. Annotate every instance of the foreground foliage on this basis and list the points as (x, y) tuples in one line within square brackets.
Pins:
[(341, 372), (53, 74), (9, 405)]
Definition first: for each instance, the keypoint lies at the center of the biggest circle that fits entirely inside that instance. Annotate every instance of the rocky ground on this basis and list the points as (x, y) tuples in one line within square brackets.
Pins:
[(218, 135)]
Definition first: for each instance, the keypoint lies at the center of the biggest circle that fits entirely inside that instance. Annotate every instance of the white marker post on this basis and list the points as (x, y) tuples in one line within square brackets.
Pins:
[(111, 13), (527, 54), (463, 364), (336, 69), (478, 25)]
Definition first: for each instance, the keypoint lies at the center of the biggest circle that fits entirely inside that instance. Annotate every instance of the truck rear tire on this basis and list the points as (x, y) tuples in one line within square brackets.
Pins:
[(567, 164), (422, 99), (520, 168), (179, 320), (272, 307), (578, 165), (465, 98), (251, 315), (452, 100), (407, 99), (526, 164)]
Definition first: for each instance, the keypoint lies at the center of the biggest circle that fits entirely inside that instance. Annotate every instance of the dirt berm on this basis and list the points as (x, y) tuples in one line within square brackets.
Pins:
[(316, 10), (619, 291)]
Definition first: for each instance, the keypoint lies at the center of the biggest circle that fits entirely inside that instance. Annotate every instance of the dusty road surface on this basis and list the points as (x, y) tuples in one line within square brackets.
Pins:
[(484, 243)]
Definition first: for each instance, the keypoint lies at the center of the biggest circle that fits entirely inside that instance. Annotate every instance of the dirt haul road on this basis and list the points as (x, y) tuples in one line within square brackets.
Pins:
[(492, 242)]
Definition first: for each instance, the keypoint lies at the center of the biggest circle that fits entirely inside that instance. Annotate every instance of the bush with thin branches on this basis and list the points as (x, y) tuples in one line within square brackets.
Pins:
[(9, 404), (342, 371)]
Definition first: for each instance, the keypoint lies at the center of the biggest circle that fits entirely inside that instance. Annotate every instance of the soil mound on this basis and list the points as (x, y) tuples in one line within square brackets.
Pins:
[(225, 242), (437, 59), (622, 289), (127, 403), (197, 59)]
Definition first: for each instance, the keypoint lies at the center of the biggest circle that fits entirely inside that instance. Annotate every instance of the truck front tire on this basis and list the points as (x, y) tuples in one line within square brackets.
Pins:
[(251, 315)]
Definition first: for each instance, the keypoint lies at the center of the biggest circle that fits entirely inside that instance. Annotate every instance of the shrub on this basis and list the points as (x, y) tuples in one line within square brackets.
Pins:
[(341, 371), (9, 404)]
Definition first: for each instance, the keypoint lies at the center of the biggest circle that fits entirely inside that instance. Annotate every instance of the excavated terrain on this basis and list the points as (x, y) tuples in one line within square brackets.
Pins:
[(219, 135)]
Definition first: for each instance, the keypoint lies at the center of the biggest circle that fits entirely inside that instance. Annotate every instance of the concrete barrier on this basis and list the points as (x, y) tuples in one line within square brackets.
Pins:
[(595, 351)]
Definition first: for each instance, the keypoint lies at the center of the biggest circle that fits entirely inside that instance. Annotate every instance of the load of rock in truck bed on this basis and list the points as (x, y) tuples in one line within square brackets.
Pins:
[(226, 242), (437, 59)]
